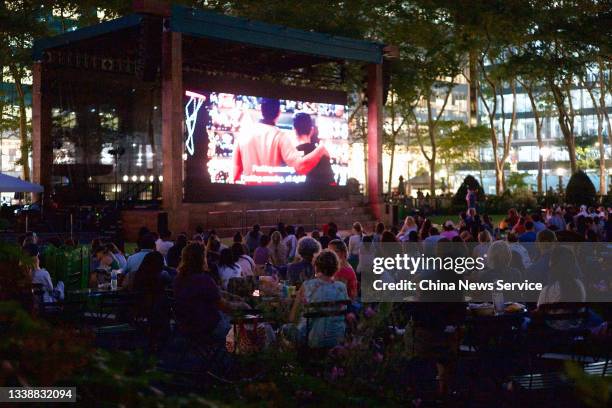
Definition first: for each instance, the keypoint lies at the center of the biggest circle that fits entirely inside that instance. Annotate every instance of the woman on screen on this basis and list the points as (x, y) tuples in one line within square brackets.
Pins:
[(307, 135)]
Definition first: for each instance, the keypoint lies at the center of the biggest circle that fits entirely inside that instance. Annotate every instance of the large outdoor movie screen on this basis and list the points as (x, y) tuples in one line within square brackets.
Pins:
[(251, 140)]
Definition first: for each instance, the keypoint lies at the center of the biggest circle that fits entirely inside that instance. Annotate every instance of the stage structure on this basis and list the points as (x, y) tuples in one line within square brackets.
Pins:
[(182, 98)]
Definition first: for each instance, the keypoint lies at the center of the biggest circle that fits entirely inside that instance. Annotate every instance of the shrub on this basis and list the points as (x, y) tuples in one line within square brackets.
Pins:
[(459, 197), (580, 190), (524, 199)]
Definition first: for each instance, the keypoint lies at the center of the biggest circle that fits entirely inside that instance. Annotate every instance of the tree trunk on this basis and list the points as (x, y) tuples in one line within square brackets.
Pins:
[(565, 124), (538, 129), (23, 127), (599, 111), (473, 88), (432, 177), (390, 189), (600, 118)]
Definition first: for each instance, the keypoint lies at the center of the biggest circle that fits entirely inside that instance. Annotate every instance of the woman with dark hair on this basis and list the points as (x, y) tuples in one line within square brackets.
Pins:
[(425, 229), (564, 284), (246, 263), (252, 238), (300, 232), (174, 253), (148, 277), (199, 304), (345, 272), (438, 318), (262, 253), (388, 236), (378, 231), (355, 242), (227, 268), (513, 218), (237, 237), (303, 268), (151, 305)]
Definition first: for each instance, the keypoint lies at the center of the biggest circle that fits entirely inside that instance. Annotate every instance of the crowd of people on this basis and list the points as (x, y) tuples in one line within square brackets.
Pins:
[(324, 266)]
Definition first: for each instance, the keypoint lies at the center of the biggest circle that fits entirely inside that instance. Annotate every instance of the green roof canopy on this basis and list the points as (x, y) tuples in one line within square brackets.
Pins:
[(204, 24)]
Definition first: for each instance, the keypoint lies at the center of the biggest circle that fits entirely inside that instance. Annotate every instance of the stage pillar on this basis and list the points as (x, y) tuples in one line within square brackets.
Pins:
[(172, 128), (375, 136), (42, 144)]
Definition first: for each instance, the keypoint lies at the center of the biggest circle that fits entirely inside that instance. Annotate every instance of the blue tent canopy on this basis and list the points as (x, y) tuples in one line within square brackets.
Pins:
[(10, 184)]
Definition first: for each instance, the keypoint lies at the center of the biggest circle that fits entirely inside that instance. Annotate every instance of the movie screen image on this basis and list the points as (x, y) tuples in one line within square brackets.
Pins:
[(251, 140)]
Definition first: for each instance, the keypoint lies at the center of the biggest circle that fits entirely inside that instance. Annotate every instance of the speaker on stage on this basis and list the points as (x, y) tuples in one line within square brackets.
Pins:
[(162, 221)]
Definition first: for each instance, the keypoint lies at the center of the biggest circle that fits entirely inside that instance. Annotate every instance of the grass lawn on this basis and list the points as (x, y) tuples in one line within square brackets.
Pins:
[(440, 219)]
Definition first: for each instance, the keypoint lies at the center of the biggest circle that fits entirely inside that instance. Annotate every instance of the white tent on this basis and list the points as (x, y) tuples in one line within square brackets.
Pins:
[(9, 184)]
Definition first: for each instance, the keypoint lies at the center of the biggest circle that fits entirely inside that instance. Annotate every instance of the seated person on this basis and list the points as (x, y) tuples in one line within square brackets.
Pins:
[(146, 244), (118, 256), (150, 283), (564, 286), (228, 268), (199, 306), (106, 263), (302, 269), (246, 263), (41, 276), (261, 256), (345, 273), (325, 331)]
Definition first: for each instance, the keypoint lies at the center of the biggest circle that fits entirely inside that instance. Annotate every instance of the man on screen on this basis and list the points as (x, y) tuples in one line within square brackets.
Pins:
[(307, 135), (265, 145)]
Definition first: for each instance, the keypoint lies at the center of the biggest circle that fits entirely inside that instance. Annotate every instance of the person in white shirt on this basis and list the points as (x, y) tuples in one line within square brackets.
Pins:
[(409, 225), (354, 245), (163, 244), (519, 249), (41, 276), (246, 263), (290, 242), (367, 253), (227, 267)]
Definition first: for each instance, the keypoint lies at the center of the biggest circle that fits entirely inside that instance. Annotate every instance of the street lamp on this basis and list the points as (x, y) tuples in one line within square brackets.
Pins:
[(116, 153)]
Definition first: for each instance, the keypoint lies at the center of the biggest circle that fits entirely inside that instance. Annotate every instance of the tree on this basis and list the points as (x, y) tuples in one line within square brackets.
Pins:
[(599, 104), (495, 78), (427, 42), (564, 37), (539, 101), (516, 181), (460, 145), (21, 25), (580, 190)]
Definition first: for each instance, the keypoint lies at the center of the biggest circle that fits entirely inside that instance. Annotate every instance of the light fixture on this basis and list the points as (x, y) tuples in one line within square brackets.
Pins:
[(134, 178), (126, 178), (142, 178), (161, 178)]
